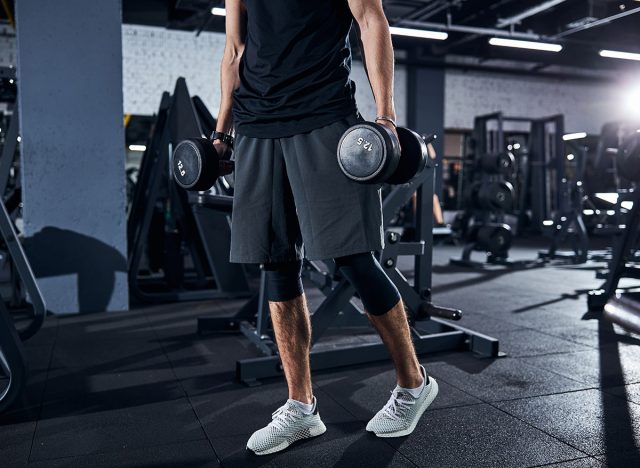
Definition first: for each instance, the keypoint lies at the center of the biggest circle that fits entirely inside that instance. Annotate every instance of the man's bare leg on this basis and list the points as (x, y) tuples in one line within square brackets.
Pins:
[(393, 328), (292, 328)]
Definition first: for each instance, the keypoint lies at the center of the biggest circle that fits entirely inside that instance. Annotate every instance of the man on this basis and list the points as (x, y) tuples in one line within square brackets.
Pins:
[(285, 88)]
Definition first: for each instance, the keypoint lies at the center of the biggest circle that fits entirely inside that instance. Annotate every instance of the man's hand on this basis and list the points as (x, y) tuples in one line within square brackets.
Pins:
[(391, 127), (223, 149)]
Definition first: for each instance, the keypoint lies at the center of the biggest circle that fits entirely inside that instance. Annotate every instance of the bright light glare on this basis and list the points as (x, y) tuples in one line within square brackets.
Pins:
[(574, 136), (627, 205), (608, 197), (571, 157), (619, 55), (632, 102), (137, 148), (421, 33), (219, 11), (546, 46)]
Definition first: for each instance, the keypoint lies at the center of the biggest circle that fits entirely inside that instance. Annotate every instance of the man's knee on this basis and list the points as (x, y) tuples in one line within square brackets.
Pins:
[(376, 290), (284, 280)]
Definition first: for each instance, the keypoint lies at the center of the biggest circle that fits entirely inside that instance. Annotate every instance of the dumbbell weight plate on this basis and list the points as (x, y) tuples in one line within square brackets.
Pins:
[(195, 164), (368, 152), (496, 196), (494, 238), (414, 157), (498, 163)]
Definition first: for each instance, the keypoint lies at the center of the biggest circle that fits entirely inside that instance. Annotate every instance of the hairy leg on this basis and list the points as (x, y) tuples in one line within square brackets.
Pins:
[(292, 328), (393, 328), (385, 310)]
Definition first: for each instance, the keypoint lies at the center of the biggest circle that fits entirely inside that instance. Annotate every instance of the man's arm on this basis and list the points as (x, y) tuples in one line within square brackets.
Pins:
[(229, 68), (377, 51)]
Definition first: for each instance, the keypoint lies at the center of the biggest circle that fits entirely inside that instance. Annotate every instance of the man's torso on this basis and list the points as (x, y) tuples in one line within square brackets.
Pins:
[(294, 74)]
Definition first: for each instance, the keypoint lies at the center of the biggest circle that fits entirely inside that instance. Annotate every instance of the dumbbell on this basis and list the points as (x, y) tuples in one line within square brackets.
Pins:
[(370, 153), (492, 196), (197, 165), (497, 163), (494, 238)]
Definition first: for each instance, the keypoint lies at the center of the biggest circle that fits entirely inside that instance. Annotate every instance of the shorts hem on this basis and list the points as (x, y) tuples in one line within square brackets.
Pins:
[(344, 252), (261, 260)]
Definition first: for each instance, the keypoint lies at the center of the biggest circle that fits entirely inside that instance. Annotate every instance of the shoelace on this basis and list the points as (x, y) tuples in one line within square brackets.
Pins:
[(396, 407), (284, 415)]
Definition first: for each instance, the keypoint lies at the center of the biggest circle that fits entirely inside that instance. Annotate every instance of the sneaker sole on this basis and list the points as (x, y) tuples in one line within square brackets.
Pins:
[(313, 432), (427, 402)]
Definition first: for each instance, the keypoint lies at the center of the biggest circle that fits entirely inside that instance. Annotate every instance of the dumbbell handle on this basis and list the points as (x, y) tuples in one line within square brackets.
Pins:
[(226, 167)]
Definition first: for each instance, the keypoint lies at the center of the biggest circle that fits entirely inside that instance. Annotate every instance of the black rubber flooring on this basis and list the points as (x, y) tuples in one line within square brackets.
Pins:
[(142, 389)]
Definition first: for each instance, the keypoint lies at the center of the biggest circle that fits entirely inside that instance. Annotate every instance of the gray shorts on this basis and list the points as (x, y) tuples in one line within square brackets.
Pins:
[(292, 201)]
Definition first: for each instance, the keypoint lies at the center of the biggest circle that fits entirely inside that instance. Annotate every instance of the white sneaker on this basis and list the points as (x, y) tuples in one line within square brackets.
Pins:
[(402, 412), (289, 424)]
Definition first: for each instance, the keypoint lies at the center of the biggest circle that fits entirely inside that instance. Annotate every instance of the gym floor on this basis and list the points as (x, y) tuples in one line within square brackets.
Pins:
[(142, 389)]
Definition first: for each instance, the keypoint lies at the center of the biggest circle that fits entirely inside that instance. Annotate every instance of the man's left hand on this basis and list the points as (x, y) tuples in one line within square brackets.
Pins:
[(390, 126)]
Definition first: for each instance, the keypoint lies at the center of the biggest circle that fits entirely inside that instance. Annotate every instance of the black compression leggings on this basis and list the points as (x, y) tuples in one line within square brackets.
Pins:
[(377, 291)]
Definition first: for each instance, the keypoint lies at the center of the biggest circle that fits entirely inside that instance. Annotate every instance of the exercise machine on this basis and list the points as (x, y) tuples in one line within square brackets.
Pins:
[(617, 305), (13, 366), (567, 225), (176, 248)]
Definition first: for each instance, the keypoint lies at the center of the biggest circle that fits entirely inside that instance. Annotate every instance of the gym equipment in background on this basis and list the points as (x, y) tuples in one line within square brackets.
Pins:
[(489, 196), (13, 366), (512, 184), (567, 226), (178, 247), (431, 326), (623, 306)]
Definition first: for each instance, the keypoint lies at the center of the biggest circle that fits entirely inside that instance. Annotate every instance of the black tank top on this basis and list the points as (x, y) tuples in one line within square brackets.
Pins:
[(294, 74)]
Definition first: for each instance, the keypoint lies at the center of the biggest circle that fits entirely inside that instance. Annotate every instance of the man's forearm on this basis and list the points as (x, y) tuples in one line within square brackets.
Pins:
[(229, 82), (377, 51)]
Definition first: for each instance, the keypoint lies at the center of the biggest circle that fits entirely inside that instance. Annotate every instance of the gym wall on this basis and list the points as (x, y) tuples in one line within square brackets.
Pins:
[(155, 57), (586, 105)]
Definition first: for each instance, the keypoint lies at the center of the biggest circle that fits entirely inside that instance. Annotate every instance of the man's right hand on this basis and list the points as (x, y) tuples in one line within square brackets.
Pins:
[(223, 149)]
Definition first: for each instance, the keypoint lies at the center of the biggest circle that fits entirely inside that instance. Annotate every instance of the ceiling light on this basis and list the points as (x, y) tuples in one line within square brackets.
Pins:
[(574, 136), (137, 148), (421, 33), (546, 46), (219, 11), (619, 55)]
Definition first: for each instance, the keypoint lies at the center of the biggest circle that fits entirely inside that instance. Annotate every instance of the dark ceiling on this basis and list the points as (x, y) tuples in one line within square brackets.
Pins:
[(581, 26)]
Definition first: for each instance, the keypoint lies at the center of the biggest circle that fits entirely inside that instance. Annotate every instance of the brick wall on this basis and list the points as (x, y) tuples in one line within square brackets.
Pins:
[(586, 105), (154, 58)]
